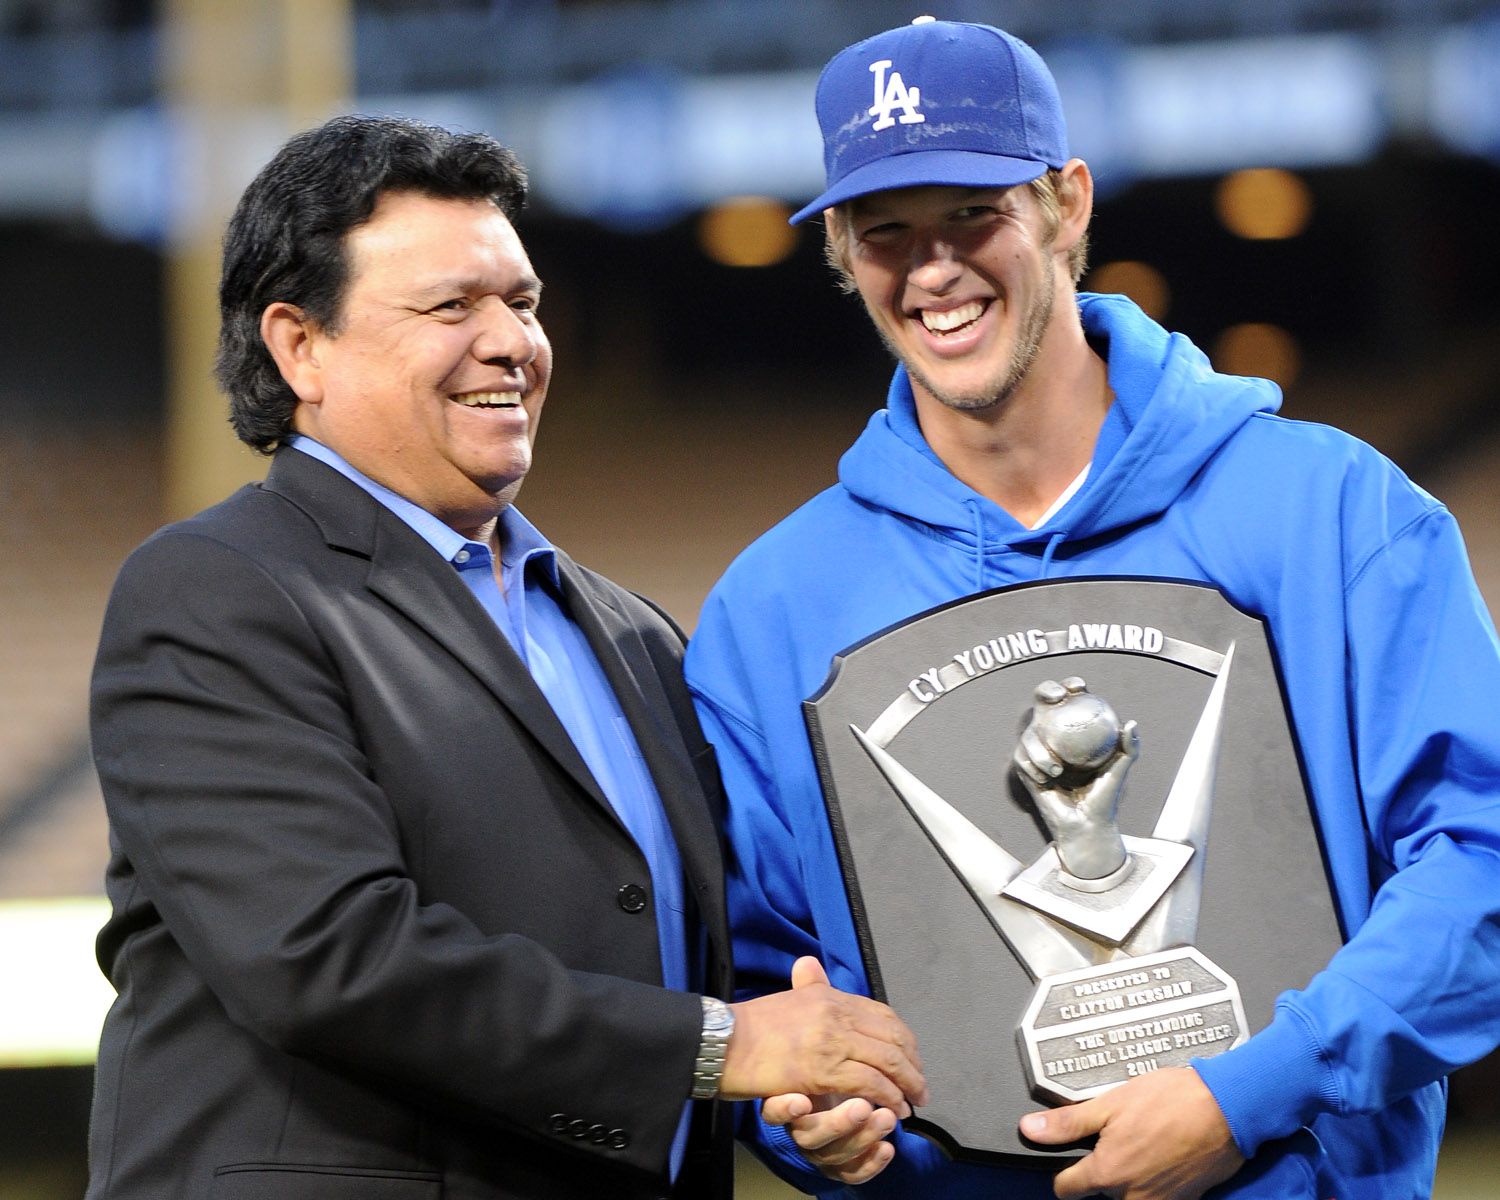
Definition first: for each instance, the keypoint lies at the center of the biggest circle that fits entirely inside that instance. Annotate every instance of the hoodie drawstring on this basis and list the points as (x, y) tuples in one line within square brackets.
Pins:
[(1052, 544), (978, 542)]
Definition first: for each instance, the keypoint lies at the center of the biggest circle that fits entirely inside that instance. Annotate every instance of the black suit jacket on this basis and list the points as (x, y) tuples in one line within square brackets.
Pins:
[(376, 932)]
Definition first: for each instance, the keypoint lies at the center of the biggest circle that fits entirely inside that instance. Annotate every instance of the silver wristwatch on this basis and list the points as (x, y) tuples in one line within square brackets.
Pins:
[(718, 1024)]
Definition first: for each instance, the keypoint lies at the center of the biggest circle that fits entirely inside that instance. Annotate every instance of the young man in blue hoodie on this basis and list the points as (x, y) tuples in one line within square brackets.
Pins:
[(1031, 432)]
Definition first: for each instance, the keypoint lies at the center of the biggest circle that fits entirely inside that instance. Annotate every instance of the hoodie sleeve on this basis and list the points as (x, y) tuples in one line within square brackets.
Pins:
[(1415, 993)]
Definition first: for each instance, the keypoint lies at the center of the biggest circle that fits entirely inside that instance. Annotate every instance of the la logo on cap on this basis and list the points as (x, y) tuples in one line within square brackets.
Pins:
[(891, 93)]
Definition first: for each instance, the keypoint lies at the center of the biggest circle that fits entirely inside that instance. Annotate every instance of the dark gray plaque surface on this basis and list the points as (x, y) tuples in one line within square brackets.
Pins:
[(938, 704)]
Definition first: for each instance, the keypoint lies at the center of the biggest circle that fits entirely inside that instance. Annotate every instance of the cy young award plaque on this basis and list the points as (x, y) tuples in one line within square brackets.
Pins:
[(1076, 839)]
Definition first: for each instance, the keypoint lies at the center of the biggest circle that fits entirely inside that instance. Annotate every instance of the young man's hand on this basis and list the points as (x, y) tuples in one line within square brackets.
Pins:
[(1161, 1137)]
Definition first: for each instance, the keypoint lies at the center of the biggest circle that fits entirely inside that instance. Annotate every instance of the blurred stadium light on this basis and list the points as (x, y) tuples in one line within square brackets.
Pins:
[(51, 1009)]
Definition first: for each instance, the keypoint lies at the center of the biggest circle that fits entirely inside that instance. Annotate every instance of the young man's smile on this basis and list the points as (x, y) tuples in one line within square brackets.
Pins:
[(959, 283)]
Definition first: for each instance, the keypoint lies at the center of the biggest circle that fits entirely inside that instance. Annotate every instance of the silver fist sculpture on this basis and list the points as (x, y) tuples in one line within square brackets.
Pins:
[(1072, 758)]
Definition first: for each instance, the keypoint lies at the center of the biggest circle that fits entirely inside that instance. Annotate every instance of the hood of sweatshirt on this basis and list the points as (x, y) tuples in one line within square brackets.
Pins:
[(1171, 413)]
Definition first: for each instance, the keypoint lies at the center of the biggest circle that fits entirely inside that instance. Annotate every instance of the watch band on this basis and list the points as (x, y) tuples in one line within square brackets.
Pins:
[(708, 1070)]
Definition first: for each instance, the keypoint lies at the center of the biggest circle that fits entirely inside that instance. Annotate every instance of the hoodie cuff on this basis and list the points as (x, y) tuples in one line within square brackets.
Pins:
[(1271, 1086)]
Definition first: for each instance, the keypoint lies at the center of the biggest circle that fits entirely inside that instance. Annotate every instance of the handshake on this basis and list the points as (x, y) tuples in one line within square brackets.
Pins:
[(837, 1069)]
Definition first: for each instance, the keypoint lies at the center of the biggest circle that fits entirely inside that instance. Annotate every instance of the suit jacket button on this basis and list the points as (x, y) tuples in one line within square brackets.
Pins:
[(559, 1122), (578, 1129), (598, 1134), (631, 897), (618, 1139)]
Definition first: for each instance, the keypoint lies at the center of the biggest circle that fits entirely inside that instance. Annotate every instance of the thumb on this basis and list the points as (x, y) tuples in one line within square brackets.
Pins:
[(783, 1109), (807, 971), (1066, 1124)]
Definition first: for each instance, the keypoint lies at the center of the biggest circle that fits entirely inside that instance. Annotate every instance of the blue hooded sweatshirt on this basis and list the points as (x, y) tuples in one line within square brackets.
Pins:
[(1391, 667)]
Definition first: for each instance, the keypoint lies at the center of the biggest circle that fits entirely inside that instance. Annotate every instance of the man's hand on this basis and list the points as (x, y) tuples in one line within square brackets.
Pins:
[(844, 1137), (845, 1140), (1161, 1137), (817, 1041)]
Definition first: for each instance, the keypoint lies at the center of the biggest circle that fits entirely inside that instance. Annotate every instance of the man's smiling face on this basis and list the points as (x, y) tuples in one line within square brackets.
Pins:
[(433, 381), (960, 283)]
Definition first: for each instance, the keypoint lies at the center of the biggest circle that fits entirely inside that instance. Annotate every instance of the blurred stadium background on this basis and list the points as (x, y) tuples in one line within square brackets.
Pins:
[(1308, 188)]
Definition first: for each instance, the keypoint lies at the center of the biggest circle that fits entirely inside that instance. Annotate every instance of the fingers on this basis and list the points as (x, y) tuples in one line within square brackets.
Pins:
[(1060, 1126), (879, 1051), (863, 1167), (847, 1142), (1075, 1182), (1162, 1136), (1051, 692), (876, 1044), (883, 1067), (886, 1084), (846, 1129), (889, 1042), (1034, 760), (1129, 750)]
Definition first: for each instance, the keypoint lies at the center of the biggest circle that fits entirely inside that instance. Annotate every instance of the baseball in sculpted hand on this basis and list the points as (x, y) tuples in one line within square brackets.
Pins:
[(1073, 757)]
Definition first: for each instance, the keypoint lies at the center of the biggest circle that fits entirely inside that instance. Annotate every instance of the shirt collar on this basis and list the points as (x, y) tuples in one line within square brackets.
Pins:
[(520, 540), (521, 544)]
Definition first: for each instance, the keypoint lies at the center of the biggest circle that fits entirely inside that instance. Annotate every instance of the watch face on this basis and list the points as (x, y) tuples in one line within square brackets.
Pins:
[(718, 1018)]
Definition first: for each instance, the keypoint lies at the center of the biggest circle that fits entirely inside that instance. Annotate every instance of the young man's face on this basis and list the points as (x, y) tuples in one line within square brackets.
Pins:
[(434, 381), (960, 283)]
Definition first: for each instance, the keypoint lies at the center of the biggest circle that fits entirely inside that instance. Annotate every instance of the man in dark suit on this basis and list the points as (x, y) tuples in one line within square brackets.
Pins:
[(416, 875)]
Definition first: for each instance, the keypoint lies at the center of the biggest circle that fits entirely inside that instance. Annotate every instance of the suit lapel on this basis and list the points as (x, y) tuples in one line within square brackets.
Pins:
[(407, 573), (633, 676)]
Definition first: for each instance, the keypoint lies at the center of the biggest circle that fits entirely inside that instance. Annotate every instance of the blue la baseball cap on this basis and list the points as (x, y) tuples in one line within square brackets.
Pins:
[(936, 102)]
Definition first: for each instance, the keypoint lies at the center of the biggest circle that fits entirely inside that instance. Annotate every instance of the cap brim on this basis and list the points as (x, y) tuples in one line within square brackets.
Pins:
[(950, 168)]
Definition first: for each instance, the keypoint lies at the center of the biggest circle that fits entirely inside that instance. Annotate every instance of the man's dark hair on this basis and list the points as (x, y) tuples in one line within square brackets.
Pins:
[(285, 241)]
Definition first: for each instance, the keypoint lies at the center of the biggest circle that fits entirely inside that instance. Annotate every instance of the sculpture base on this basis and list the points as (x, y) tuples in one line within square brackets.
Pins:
[(1111, 914)]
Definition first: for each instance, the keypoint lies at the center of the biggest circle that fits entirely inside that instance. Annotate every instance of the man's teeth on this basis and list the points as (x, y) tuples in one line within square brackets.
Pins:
[(488, 399), (945, 322)]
